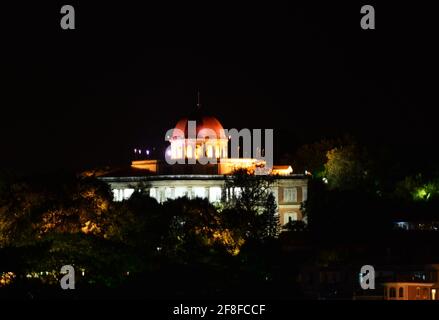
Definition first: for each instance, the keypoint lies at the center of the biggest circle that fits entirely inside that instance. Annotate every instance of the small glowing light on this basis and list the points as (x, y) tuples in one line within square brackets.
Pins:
[(83, 273), (147, 152), (325, 180), (135, 150)]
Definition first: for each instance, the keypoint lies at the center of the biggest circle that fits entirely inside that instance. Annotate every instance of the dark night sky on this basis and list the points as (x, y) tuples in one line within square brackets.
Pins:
[(128, 72)]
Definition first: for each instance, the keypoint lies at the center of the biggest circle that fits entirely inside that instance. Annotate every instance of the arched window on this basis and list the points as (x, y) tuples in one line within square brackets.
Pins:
[(392, 293), (401, 292), (209, 151), (198, 152), (189, 151), (224, 151)]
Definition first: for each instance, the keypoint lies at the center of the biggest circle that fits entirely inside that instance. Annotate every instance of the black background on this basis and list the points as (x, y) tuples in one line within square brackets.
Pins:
[(130, 70)]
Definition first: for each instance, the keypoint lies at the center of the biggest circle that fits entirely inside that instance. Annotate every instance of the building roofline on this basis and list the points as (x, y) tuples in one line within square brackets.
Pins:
[(185, 177), (409, 283)]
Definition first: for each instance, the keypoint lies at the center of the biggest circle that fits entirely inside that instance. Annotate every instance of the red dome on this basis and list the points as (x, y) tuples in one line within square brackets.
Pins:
[(202, 122)]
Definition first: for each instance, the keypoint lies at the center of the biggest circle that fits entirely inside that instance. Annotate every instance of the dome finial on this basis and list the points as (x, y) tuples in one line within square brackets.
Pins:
[(198, 100)]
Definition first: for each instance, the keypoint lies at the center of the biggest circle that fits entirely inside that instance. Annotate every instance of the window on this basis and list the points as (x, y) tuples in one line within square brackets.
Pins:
[(418, 292), (424, 293), (209, 151), (392, 293), (153, 193), (179, 152), (122, 194), (168, 193), (401, 293), (127, 193), (180, 192), (199, 192), (117, 195), (290, 195), (290, 216), (224, 152), (304, 193), (189, 151), (215, 194)]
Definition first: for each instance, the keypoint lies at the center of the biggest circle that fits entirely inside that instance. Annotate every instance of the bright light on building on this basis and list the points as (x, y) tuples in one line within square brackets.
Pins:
[(122, 194), (153, 193), (282, 170), (180, 192), (215, 194), (199, 192), (168, 193)]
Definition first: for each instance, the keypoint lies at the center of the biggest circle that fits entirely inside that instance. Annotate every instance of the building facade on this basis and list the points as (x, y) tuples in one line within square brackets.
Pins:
[(289, 191)]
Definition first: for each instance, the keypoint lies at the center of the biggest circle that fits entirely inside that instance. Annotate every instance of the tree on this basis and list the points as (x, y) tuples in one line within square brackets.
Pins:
[(247, 192), (63, 219), (270, 225), (295, 226), (250, 206), (312, 157), (417, 188), (345, 168)]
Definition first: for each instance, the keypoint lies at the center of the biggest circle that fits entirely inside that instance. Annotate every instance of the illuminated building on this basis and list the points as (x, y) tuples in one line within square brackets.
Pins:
[(196, 147), (165, 181), (411, 283), (409, 291)]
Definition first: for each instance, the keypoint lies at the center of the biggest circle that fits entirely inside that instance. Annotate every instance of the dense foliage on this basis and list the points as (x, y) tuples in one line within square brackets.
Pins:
[(190, 247)]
